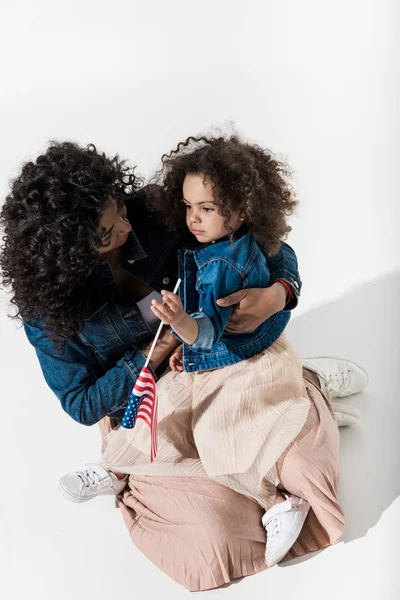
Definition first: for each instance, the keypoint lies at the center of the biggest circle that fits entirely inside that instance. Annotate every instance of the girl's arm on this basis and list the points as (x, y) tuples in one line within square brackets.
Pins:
[(205, 327)]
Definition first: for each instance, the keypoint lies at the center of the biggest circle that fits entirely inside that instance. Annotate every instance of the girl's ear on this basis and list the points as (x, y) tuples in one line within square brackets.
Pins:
[(242, 215)]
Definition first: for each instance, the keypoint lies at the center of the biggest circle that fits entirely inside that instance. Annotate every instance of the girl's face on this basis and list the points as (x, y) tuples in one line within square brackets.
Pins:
[(202, 216), (114, 227)]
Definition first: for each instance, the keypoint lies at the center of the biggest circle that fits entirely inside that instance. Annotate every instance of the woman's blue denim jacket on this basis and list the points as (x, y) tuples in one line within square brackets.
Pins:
[(213, 272), (94, 374)]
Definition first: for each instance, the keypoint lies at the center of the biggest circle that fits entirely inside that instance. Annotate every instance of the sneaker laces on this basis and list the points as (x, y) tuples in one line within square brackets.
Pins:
[(340, 382), (272, 527), (89, 477)]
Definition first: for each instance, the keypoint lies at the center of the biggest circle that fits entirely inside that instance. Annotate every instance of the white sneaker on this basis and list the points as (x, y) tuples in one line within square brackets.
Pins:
[(338, 377), (283, 524), (82, 486), (345, 415)]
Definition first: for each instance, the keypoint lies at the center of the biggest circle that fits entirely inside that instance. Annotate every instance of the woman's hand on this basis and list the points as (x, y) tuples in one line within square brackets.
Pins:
[(253, 307), (175, 360), (166, 344)]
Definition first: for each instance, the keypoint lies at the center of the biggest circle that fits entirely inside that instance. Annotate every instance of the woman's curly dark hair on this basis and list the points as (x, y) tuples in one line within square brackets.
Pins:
[(244, 177), (50, 243)]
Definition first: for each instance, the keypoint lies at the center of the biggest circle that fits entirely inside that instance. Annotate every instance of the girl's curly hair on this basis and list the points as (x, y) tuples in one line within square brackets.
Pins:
[(50, 244), (244, 177)]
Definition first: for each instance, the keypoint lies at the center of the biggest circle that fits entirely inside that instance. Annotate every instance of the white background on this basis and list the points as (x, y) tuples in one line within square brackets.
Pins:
[(313, 80)]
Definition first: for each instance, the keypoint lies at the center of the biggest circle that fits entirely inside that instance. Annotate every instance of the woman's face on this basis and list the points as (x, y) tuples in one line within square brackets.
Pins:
[(114, 227)]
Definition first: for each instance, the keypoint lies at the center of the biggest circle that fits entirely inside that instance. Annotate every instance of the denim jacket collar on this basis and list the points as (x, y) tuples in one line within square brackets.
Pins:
[(132, 250), (243, 229), (221, 247)]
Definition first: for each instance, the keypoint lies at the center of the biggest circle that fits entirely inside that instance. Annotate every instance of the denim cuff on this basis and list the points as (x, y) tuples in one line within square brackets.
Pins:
[(135, 362), (206, 334), (294, 283)]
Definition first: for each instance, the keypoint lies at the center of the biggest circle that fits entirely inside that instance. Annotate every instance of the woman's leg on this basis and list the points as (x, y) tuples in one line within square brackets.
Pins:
[(309, 469), (128, 450), (204, 534), (94, 480), (346, 415), (311, 376), (200, 533), (337, 377)]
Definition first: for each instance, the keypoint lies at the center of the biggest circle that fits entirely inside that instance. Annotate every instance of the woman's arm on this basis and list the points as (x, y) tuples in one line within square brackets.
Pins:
[(254, 306), (74, 374), (284, 265)]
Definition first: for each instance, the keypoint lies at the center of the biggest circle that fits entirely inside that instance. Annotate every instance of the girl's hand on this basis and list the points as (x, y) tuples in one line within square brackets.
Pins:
[(175, 361), (170, 311)]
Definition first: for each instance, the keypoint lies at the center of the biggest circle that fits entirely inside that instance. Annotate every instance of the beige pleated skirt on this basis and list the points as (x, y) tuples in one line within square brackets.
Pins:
[(231, 424), (226, 444)]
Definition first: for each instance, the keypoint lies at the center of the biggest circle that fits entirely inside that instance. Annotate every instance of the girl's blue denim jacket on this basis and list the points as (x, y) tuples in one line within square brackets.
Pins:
[(213, 272), (93, 376)]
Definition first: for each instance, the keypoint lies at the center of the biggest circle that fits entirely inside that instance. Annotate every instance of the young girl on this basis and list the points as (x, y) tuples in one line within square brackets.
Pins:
[(233, 403)]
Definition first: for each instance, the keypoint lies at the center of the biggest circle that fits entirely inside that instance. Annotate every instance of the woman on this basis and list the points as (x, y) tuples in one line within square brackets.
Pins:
[(84, 257)]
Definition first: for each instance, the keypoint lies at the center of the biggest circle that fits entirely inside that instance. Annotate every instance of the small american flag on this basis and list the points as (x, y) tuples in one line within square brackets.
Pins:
[(143, 404)]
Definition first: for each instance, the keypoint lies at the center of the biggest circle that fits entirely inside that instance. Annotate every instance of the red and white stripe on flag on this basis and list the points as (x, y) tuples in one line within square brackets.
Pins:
[(146, 387)]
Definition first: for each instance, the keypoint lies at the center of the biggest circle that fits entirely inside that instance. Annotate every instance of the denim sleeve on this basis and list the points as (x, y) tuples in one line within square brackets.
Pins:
[(207, 335), (73, 375), (206, 332), (217, 280), (283, 265)]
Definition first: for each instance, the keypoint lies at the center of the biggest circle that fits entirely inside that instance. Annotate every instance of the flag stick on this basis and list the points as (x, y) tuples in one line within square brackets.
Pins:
[(159, 330)]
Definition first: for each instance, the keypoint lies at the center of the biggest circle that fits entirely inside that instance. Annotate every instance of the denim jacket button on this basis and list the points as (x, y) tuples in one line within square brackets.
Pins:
[(200, 309), (131, 261), (165, 280)]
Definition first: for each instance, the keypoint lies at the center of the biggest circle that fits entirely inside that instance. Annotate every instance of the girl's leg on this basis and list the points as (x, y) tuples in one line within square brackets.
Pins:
[(246, 415)]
